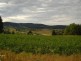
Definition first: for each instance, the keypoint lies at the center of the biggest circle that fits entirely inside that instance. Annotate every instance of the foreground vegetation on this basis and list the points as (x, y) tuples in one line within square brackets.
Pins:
[(11, 56), (38, 44)]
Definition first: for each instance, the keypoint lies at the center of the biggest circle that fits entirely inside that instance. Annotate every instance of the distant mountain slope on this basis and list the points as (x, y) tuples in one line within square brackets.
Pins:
[(32, 26)]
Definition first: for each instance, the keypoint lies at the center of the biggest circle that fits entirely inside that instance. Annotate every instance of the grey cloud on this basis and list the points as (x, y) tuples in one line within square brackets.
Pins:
[(42, 10)]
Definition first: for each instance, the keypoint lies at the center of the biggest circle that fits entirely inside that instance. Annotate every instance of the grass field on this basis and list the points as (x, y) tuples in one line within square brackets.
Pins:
[(37, 44)]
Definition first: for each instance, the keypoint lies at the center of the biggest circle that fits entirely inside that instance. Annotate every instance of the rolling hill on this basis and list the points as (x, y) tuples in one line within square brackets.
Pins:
[(32, 26)]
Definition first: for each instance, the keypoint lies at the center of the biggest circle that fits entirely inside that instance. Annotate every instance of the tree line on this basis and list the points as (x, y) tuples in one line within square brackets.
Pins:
[(72, 29)]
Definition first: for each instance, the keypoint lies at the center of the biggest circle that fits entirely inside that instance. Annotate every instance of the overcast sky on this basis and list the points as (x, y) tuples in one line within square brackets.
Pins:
[(50, 12)]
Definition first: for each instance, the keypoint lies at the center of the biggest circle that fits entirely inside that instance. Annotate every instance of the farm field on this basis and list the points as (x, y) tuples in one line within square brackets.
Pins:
[(22, 47), (38, 44)]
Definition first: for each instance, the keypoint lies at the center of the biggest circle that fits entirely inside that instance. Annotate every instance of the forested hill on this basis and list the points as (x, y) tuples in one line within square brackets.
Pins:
[(32, 26)]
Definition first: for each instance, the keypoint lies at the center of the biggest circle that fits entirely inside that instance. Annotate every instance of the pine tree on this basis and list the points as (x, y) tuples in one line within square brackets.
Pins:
[(1, 25)]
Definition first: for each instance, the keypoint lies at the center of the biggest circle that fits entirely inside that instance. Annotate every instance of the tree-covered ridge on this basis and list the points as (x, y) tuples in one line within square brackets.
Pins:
[(33, 26)]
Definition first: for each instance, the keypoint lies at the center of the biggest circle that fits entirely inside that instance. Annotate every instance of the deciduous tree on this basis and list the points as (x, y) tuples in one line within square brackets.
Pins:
[(73, 29)]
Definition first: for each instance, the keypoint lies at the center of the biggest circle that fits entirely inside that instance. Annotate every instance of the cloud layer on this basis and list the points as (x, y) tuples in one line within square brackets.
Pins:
[(51, 12)]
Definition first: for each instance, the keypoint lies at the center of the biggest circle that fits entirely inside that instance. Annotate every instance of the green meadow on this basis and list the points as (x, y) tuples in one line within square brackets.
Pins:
[(38, 44)]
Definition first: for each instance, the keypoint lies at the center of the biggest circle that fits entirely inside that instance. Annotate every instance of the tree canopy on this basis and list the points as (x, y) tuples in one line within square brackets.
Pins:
[(73, 29)]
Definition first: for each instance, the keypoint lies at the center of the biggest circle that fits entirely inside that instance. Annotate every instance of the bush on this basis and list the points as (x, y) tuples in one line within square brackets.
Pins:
[(53, 32), (30, 33)]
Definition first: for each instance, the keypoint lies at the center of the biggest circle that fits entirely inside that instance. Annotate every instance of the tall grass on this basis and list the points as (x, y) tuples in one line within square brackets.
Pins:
[(11, 56)]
